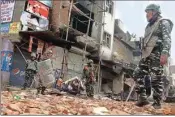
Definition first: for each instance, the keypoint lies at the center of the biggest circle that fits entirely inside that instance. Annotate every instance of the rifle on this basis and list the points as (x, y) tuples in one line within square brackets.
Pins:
[(141, 43)]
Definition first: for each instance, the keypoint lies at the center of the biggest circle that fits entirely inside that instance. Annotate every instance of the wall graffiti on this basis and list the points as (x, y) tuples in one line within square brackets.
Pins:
[(6, 61), (18, 72)]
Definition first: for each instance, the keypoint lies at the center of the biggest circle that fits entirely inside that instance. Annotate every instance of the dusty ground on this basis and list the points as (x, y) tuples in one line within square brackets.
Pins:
[(28, 103)]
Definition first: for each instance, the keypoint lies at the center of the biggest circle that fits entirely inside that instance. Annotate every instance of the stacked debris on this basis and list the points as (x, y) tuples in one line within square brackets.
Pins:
[(28, 103)]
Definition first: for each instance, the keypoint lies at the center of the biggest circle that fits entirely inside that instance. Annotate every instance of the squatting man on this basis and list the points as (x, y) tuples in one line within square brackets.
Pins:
[(155, 53)]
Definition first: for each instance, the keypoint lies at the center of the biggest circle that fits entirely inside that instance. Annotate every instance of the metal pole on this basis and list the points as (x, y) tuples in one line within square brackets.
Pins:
[(101, 42), (87, 32), (1, 40), (70, 10), (21, 53), (132, 88), (99, 86)]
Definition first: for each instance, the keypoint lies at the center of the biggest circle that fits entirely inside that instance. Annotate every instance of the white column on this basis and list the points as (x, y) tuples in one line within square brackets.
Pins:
[(118, 83)]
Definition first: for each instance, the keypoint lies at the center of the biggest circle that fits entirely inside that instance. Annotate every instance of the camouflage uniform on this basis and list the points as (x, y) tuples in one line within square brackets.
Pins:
[(30, 71), (88, 76), (150, 65)]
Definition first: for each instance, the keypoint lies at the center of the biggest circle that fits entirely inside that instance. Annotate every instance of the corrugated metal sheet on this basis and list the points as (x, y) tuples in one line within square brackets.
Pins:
[(58, 53), (18, 68), (75, 65)]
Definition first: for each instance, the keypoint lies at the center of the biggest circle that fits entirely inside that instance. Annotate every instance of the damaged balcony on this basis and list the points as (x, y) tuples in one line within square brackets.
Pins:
[(47, 36), (80, 28)]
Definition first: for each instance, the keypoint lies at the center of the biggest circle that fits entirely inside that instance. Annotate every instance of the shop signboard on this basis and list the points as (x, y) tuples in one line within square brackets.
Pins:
[(7, 8), (34, 23), (38, 9), (15, 27), (5, 28), (47, 2), (6, 60)]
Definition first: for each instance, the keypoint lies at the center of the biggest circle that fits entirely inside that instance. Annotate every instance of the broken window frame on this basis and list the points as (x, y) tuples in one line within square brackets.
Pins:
[(109, 6), (107, 39)]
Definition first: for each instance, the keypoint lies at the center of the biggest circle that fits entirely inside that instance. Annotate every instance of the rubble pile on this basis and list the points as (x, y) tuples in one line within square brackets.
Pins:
[(28, 103)]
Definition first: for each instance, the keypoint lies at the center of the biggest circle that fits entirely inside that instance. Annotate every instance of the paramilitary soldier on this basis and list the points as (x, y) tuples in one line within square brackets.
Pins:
[(155, 53), (30, 71), (88, 75)]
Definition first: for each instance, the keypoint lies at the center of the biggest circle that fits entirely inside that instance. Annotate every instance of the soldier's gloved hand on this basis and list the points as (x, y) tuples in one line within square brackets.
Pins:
[(163, 59)]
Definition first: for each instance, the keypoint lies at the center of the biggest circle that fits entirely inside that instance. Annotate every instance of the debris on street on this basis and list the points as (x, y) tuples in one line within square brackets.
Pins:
[(28, 103)]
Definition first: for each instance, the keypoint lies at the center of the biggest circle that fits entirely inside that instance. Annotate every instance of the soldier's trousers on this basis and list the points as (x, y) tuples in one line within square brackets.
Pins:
[(29, 76), (150, 66), (90, 89)]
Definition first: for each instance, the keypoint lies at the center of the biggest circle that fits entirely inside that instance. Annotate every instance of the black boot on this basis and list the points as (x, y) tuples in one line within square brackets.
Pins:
[(24, 86), (38, 90), (156, 104), (141, 103), (42, 90)]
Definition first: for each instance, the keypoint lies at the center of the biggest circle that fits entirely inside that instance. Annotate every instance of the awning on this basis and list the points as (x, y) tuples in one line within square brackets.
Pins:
[(119, 64), (91, 45), (116, 68), (47, 36), (71, 31)]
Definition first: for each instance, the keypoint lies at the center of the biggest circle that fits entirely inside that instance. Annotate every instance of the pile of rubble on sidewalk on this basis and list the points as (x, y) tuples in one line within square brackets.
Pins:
[(28, 103)]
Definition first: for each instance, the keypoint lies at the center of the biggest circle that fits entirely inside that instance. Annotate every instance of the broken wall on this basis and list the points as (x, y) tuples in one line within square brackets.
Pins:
[(59, 15), (96, 28), (124, 52), (75, 65), (58, 53), (108, 78), (118, 83)]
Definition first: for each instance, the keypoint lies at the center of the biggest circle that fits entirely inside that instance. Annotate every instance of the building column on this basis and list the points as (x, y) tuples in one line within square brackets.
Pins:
[(0, 61), (6, 63), (118, 83)]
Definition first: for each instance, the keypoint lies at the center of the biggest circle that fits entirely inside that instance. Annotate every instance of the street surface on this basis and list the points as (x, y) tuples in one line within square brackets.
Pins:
[(28, 103)]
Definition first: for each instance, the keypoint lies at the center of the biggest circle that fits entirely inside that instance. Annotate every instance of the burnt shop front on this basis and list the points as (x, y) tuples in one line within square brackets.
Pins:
[(17, 73)]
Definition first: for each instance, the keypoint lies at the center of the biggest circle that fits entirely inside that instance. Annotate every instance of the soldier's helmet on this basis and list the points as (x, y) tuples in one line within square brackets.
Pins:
[(33, 54), (153, 7), (90, 61)]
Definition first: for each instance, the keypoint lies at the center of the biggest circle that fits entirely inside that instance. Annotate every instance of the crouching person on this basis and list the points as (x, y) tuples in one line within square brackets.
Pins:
[(73, 86), (30, 71)]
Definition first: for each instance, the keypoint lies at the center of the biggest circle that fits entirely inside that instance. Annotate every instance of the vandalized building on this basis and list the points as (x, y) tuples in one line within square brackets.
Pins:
[(116, 72), (75, 31), (72, 29)]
